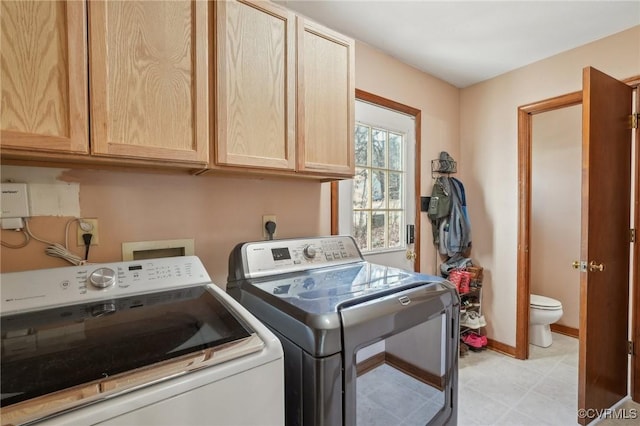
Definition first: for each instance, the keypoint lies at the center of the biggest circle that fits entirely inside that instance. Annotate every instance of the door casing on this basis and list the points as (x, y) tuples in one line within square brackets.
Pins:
[(525, 119), (635, 318)]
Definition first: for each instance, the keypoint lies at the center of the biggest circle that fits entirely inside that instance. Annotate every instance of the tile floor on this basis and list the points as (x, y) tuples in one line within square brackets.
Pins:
[(495, 389), (387, 397)]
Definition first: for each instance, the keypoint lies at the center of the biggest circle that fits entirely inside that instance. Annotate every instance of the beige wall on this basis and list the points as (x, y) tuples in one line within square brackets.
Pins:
[(489, 165), (439, 104), (556, 171), (218, 212)]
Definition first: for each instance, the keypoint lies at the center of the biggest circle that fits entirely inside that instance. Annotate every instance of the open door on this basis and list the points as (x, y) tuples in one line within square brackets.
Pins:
[(604, 281)]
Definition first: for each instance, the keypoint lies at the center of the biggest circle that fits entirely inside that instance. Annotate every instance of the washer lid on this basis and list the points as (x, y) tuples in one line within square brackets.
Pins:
[(102, 344), (543, 302)]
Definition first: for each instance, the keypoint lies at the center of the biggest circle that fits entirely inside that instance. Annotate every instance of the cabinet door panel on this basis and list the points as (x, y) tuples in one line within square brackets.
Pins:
[(149, 79), (255, 89), (326, 100), (44, 78)]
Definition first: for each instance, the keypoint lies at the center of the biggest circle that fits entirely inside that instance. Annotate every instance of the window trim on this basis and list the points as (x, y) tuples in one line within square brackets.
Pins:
[(386, 209)]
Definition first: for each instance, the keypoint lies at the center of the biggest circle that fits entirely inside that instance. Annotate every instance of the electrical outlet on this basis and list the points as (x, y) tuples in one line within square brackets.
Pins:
[(83, 228), (265, 219)]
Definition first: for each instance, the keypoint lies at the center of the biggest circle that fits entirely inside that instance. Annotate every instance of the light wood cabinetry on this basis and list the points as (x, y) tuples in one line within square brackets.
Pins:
[(285, 92), (326, 100), (148, 79), (255, 85), (44, 76), (239, 85)]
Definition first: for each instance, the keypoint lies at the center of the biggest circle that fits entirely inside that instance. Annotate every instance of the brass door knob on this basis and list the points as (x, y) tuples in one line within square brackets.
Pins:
[(576, 264), (596, 267), (411, 255)]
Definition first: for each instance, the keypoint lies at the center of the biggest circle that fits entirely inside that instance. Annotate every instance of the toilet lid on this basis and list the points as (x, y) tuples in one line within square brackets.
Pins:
[(542, 302)]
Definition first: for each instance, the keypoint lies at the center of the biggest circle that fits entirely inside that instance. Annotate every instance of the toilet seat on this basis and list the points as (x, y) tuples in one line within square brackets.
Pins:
[(544, 303)]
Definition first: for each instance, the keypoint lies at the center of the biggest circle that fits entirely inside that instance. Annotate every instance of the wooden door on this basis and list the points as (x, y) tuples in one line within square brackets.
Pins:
[(255, 85), (635, 279), (148, 79), (44, 76), (326, 100), (604, 290)]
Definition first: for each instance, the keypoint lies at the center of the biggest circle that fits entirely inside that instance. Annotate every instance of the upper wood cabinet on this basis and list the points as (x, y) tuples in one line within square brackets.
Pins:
[(240, 85), (255, 85), (326, 100), (44, 76), (148, 79), (285, 93)]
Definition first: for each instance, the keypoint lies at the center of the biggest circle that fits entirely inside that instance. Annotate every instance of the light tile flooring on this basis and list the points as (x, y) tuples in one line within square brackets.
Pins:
[(387, 397), (495, 389)]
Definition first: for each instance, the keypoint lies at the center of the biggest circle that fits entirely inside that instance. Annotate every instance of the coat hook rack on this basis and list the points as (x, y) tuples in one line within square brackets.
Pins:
[(443, 167)]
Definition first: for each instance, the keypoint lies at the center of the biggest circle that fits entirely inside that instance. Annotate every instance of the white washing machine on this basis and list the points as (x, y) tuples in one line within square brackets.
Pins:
[(150, 342)]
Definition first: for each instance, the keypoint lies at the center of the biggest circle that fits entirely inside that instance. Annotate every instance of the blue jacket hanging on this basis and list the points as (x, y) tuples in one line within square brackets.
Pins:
[(459, 240), (451, 231)]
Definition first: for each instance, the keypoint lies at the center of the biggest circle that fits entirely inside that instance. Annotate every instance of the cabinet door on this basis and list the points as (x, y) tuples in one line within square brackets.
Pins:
[(148, 79), (255, 85), (44, 77), (326, 100)]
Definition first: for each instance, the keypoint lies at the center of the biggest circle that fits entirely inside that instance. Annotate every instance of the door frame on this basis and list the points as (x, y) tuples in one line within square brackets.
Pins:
[(635, 276), (380, 101), (525, 125), (525, 121)]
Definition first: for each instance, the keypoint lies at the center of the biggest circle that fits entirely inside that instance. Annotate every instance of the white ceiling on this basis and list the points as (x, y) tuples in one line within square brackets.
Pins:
[(465, 42)]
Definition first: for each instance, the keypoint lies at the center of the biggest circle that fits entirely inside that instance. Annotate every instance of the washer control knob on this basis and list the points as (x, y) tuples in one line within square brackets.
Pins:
[(103, 278), (309, 252)]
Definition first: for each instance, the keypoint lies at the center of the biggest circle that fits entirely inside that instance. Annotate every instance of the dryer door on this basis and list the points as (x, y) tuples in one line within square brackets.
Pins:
[(400, 358)]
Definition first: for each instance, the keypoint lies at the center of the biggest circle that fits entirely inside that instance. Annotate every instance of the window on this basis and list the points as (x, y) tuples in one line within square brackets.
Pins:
[(378, 188)]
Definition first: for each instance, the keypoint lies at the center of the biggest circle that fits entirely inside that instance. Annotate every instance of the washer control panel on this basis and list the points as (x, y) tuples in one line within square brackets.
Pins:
[(31, 290), (103, 277), (264, 258)]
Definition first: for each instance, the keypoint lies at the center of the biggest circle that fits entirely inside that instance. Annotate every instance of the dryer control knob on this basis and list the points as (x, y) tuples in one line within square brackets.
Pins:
[(309, 252), (103, 278)]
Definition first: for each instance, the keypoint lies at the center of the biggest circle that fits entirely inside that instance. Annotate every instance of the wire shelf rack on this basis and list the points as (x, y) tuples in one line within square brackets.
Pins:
[(443, 167)]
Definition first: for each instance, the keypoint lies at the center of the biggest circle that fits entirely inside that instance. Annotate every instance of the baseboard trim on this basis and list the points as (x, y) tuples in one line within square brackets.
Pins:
[(503, 348), (401, 365), (370, 363), (415, 372), (567, 331)]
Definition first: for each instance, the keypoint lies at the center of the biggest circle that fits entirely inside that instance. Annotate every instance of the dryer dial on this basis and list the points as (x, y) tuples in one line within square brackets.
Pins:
[(309, 252)]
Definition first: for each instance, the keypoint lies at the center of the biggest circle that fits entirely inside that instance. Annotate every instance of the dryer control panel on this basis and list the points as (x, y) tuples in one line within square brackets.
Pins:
[(265, 258)]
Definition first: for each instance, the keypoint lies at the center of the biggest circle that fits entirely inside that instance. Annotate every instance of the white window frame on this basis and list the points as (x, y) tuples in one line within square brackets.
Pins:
[(386, 209)]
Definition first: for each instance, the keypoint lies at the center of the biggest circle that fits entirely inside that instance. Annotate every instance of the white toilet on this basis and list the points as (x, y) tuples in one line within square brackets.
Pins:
[(543, 311)]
